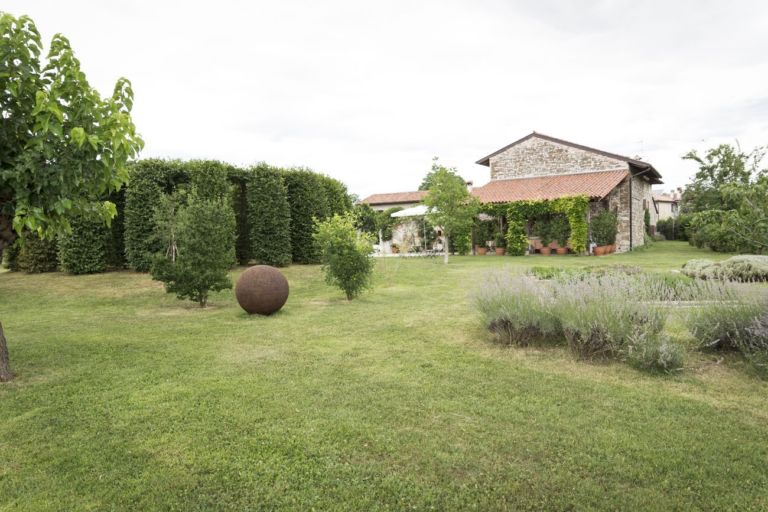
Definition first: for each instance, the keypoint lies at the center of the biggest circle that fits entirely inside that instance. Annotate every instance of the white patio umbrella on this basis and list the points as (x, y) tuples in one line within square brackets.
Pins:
[(420, 210)]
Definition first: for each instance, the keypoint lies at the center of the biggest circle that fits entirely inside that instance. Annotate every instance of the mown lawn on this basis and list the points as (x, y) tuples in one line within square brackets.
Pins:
[(128, 399)]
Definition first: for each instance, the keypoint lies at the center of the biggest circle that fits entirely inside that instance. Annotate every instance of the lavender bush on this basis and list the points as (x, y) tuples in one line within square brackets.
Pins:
[(755, 345)]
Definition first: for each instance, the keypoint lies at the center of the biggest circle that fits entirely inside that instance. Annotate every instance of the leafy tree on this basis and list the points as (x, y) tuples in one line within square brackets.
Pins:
[(201, 249), (429, 179), (719, 166), (269, 216), (62, 146), (345, 254), (451, 206), (365, 218), (725, 205)]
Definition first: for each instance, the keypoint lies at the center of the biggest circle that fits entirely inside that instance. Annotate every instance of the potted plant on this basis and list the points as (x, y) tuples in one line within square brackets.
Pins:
[(604, 227), (501, 244), (560, 229), (395, 248), (543, 231)]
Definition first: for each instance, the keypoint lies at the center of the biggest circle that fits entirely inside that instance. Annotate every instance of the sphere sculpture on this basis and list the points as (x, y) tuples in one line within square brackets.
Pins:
[(261, 289)]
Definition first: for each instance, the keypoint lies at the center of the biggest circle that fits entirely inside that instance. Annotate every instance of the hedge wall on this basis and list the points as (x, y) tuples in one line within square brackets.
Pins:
[(269, 216), (308, 201), (243, 252), (36, 255), (85, 250), (147, 181), (337, 196), (115, 249)]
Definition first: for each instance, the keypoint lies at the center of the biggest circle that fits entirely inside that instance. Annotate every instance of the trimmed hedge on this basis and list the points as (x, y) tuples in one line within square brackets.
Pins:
[(337, 196), (269, 216), (84, 251), (115, 249), (36, 255), (243, 252), (308, 201), (141, 198)]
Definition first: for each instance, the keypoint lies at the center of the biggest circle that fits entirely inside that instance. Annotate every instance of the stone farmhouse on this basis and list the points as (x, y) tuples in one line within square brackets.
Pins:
[(542, 167)]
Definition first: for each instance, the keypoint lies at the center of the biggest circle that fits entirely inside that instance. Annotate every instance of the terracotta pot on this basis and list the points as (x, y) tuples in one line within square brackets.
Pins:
[(500, 251), (599, 250), (481, 251), (545, 251), (562, 250)]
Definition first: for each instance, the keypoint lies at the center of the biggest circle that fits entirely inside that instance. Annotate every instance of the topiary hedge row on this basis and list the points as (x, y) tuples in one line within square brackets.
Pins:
[(269, 216), (275, 212)]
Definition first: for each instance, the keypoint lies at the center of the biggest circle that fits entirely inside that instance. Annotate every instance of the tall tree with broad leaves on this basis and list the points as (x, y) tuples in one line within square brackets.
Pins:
[(63, 147), (451, 207)]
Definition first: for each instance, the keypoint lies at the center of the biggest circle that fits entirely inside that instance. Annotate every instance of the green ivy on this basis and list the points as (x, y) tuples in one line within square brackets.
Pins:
[(573, 207), (517, 240)]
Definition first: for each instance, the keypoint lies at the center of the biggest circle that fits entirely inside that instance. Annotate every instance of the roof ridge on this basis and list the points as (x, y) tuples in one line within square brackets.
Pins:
[(577, 173)]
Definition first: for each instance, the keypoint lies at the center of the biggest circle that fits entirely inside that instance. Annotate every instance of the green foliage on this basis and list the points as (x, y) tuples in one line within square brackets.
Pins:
[(451, 206), (560, 229), (385, 222), (366, 219), (205, 240), (483, 231), (84, 250), (308, 201), (269, 216), (727, 201), (754, 346), (337, 196), (37, 254), (573, 207), (743, 268), (674, 228), (63, 147), (723, 321), (604, 227), (517, 240), (11, 256), (542, 228), (243, 251), (346, 255), (647, 221), (431, 178), (115, 249), (149, 180)]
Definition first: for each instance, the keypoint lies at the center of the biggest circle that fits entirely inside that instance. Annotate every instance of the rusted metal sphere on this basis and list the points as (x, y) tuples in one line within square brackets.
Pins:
[(261, 289)]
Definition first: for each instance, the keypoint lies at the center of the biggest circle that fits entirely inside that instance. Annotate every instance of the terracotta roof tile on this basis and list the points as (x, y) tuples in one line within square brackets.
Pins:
[(591, 184), (396, 197)]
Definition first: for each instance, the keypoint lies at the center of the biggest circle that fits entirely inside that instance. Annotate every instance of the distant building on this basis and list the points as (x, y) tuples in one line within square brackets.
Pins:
[(666, 206)]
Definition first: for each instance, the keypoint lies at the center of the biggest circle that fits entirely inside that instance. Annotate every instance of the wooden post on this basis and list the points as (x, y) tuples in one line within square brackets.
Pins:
[(5, 363)]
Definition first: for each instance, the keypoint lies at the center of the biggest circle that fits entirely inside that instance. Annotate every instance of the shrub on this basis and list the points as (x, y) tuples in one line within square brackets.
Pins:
[(604, 227), (654, 352), (744, 268), (598, 321), (518, 310), (243, 251), (37, 255), (337, 197), (754, 346), (346, 254), (115, 248), (560, 229), (205, 239), (142, 196), (84, 250), (723, 320), (269, 217), (308, 202), (517, 240), (11, 256)]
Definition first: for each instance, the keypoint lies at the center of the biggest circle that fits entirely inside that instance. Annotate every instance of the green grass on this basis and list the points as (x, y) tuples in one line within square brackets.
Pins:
[(128, 399)]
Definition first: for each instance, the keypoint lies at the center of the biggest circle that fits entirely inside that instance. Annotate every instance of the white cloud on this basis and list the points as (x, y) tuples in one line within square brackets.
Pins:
[(368, 92)]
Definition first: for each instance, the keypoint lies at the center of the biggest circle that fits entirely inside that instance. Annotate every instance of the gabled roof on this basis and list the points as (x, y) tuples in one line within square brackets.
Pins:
[(636, 166), (595, 185), (396, 197)]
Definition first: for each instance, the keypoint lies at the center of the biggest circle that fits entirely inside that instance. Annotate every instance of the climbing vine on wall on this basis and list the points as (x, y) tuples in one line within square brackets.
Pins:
[(573, 207)]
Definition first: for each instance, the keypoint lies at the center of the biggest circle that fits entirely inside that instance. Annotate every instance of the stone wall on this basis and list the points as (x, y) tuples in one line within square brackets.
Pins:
[(540, 157), (618, 203)]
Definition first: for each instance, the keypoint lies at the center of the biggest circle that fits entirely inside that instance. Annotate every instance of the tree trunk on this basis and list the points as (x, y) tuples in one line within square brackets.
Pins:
[(445, 250), (5, 363)]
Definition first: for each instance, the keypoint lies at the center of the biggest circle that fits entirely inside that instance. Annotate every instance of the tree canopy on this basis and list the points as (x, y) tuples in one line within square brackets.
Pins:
[(451, 206), (63, 147)]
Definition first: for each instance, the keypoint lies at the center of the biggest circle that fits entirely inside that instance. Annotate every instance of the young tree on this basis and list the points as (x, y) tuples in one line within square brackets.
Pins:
[(345, 254), (451, 206), (201, 248), (62, 147)]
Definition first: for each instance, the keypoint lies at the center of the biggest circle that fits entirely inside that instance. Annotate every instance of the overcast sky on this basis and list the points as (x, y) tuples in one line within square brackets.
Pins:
[(369, 92)]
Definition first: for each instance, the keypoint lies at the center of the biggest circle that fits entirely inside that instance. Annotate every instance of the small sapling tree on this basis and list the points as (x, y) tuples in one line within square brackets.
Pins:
[(346, 254), (200, 238)]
